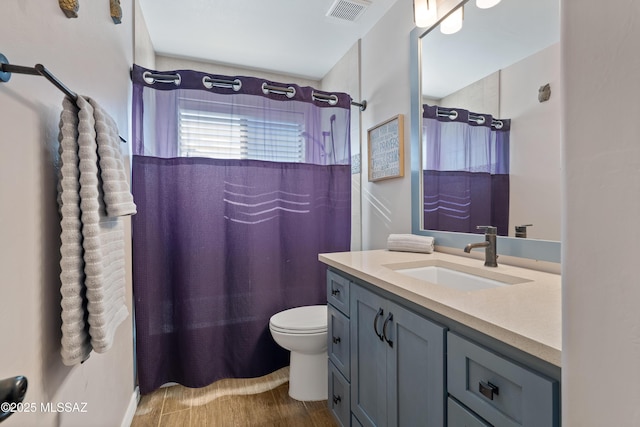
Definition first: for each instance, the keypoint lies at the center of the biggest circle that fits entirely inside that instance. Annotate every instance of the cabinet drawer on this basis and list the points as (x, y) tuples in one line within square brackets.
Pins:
[(459, 416), (339, 396), (499, 390), (338, 292), (338, 340)]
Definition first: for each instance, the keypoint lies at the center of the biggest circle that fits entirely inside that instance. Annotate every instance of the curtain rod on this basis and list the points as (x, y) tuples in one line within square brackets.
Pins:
[(237, 84), (38, 70), (479, 119)]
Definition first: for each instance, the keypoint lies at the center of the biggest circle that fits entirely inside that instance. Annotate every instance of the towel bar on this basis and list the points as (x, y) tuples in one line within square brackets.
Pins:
[(39, 70)]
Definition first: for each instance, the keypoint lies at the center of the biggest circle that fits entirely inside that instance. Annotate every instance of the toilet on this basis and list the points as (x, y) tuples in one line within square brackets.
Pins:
[(303, 331)]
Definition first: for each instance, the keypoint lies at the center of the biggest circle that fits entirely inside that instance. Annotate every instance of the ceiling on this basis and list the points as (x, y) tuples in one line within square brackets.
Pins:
[(490, 39), (293, 37), (297, 38)]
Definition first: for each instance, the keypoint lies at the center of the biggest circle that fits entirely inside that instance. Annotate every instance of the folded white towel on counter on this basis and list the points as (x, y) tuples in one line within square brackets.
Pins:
[(410, 243)]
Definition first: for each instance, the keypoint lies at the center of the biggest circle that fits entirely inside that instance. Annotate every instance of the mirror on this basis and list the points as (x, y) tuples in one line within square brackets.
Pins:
[(496, 65)]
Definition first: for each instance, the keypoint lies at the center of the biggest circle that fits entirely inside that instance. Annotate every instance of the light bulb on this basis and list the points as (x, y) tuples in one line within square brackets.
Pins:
[(486, 4), (452, 23), (424, 12)]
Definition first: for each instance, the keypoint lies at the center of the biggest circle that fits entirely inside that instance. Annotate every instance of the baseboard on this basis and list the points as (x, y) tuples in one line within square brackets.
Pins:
[(131, 409)]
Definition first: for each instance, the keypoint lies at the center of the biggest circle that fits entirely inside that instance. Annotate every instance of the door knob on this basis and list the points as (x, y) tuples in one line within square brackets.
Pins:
[(12, 391)]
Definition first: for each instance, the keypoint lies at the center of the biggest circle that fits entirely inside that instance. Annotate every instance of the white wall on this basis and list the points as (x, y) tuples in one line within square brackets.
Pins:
[(536, 157), (144, 54), (92, 56), (482, 96), (386, 205), (601, 209)]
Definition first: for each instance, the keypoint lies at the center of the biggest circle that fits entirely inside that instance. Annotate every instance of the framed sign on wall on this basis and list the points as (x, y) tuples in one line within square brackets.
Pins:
[(386, 149)]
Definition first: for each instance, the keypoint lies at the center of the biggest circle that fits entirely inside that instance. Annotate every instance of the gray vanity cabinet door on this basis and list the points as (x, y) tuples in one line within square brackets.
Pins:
[(415, 373), (368, 358), (338, 341), (339, 396), (458, 416), (397, 374), (338, 291)]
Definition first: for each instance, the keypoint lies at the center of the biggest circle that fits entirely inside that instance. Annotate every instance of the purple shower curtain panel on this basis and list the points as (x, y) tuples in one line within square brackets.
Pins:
[(219, 246), (466, 172)]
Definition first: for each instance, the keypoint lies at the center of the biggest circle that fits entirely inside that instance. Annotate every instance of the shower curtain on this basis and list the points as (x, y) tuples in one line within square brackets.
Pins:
[(238, 187), (465, 170)]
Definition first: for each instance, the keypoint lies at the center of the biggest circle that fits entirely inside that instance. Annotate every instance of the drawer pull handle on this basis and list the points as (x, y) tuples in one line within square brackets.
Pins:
[(488, 390), (335, 292), (336, 340), (384, 329), (375, 323), (336, 399)]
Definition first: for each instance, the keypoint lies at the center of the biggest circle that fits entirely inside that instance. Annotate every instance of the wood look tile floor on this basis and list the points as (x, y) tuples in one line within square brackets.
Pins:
[(259, 402)]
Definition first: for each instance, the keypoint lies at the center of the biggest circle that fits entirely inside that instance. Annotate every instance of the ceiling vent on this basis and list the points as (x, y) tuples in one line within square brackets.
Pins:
[(348, 10)]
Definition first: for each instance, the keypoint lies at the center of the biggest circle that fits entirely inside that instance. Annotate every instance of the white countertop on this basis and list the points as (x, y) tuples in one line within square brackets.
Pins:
[(526, 316)]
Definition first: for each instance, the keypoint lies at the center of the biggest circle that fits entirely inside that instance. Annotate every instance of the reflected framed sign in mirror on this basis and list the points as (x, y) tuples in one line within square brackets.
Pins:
[(493, 67)]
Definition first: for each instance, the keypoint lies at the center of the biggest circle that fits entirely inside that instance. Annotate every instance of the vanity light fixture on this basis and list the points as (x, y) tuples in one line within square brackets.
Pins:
[(425, 12), (453, 23), (486, 4)]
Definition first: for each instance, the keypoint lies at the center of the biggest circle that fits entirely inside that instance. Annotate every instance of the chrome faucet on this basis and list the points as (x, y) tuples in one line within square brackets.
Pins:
[(489, 245)]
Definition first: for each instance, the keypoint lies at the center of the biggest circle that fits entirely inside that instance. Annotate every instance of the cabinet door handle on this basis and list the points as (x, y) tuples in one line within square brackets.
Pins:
[(336, 340), (336, 399), (335, 292), (375, 323), (384, 329), (488, 390)]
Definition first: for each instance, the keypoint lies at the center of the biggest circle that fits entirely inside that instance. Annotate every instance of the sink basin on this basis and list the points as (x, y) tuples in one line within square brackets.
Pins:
[(460, 277), (451, 278)]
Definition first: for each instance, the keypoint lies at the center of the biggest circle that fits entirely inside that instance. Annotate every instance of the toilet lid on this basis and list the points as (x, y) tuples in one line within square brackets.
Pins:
[(302, 320)]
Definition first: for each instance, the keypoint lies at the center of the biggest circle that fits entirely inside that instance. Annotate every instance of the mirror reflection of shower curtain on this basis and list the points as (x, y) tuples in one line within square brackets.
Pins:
[(465, 171), (237, 193)]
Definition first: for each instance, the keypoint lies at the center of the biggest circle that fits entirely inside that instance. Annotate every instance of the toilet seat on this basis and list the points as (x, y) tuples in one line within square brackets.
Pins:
[(310, 319)]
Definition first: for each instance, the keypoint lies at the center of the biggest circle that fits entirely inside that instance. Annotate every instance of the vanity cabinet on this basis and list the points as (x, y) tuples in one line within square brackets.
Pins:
[(390, 365), (397, 359)]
